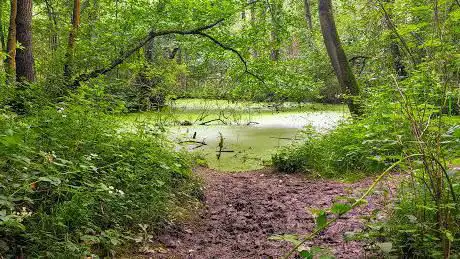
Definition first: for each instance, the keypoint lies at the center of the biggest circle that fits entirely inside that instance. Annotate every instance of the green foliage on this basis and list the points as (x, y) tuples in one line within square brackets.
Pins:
[(410, 117), (366, 146), (73, 184)]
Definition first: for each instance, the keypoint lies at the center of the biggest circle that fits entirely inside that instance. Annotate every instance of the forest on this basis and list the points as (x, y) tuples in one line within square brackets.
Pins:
[(230, 129)]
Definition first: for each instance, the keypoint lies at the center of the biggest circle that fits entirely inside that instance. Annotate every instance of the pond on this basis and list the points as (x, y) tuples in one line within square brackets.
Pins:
[(246, 133)]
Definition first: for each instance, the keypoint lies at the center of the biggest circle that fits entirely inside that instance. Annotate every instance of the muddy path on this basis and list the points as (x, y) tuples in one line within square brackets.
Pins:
[(243, 209)]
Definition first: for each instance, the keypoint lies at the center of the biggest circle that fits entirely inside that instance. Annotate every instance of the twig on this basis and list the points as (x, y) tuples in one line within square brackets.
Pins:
[(285, 138), (193, 142), (206, 122)]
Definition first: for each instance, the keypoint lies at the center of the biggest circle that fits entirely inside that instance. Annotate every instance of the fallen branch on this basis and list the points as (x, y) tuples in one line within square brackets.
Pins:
[(225, 151), (207, 122), (286, 138), (196, 147), (193, 142), (252, 122)]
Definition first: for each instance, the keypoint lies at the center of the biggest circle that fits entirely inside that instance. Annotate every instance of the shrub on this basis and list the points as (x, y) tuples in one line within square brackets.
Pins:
[(72, 183), (410, 122), (365, 146)]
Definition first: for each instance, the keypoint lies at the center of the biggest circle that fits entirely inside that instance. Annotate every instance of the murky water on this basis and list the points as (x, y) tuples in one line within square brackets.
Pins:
[(251, 132), (248, 142)]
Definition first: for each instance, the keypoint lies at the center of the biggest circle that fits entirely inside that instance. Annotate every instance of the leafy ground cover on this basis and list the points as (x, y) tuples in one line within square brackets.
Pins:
[(72, 184)]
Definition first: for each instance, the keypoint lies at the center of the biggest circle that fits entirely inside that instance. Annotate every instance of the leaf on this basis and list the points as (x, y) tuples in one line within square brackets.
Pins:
[(293, 239), (340, 208), (50, 179), (90, 239), (321, 220), (412, 218), (385, 246), (449, 235), (306, 254)]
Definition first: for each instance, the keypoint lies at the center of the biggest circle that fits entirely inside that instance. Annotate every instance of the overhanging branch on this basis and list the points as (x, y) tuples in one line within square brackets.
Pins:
[(151, 35), (246, 70)]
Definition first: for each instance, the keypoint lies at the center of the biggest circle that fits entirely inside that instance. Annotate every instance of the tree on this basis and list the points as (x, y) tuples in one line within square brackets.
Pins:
[(307, 8), (275, 12), (72, 38), (54, 38), (11, 43), (24, 57), (2, 32), (253, 21), (342, 69)]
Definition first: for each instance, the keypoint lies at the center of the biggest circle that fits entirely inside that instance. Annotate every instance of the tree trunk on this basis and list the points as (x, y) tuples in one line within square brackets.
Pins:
[(395, 51), (307, 7), (2, 31), (275, 9), (54, 39), (347, 80), (254, 53), (72, 37), (24, 57), (149, 50), (11, 43)]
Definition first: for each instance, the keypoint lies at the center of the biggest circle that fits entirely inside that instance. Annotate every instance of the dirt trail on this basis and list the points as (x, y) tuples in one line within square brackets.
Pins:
[(243, 209)]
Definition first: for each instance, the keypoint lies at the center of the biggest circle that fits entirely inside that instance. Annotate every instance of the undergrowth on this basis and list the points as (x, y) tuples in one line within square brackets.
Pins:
[(410, 127), (72, 184), (361, 147)]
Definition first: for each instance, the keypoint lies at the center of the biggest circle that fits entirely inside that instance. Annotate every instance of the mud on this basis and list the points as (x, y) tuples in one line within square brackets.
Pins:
[(242, 210)]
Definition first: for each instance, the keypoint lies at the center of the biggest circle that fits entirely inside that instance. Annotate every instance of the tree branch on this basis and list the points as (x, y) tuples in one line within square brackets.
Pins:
[(246, 70), (395, 31), (151, 35)]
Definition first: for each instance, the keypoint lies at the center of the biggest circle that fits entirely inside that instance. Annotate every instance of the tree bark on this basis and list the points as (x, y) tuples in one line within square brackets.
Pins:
[(2, 32), (11, 43), (54, 39), (72, 37), (275, 9), (347, 80), (24, 56), (254, 53), (307, 7)]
